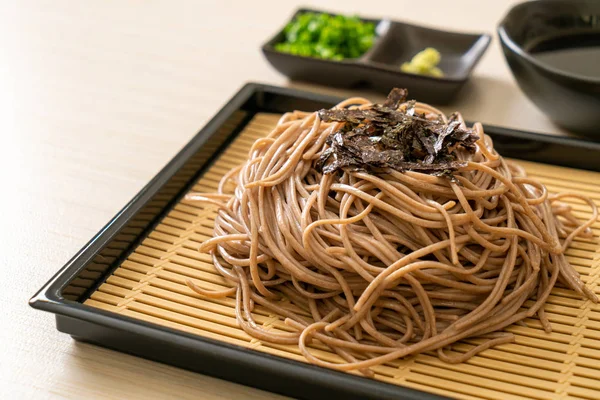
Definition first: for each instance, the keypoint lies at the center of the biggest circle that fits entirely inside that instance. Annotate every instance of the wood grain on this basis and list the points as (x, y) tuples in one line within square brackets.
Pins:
[(95, 97)]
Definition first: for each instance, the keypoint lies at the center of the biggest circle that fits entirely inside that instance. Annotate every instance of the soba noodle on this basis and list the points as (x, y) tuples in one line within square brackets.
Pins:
[(380, 266)]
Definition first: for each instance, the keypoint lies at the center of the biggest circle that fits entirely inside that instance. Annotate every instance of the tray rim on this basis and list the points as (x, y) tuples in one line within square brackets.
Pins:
[(48, 297)]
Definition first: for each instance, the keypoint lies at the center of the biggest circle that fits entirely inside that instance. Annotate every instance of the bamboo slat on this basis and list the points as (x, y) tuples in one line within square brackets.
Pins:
[(150, 285)]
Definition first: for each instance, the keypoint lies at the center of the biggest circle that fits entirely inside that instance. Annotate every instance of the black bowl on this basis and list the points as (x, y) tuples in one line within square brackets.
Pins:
[(570, 99), (379, 68)]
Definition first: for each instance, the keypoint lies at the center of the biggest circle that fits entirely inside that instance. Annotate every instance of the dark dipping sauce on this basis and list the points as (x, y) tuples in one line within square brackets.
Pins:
[(576, 53)]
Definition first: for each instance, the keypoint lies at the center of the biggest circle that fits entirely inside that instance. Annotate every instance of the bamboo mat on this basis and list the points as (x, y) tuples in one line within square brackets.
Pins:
[(150, 285)]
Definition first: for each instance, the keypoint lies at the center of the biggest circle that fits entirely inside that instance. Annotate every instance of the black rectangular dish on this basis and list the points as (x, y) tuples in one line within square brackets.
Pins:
[(64, 294), (379, 67)]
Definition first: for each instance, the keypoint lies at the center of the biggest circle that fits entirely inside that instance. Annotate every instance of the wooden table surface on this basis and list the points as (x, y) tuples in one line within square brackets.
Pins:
[(95, 98)]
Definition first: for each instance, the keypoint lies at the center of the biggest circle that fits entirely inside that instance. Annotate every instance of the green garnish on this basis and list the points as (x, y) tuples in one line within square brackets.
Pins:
[(327, 36), (424, 63)]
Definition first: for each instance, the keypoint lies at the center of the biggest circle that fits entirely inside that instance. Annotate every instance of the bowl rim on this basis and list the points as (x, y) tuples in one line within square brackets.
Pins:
[(482, 40), (506, 40)]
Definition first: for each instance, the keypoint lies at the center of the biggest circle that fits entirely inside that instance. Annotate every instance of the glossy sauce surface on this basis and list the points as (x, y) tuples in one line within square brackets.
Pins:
[(577, 53)]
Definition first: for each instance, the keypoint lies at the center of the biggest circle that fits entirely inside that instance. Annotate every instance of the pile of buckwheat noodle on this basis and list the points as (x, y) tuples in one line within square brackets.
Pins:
[(380, 266)]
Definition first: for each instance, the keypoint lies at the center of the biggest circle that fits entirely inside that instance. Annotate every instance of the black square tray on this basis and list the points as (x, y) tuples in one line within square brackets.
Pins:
[(64, 294)]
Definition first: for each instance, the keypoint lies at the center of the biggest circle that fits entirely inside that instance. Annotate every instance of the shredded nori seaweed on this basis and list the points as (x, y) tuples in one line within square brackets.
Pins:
[(384, 137)]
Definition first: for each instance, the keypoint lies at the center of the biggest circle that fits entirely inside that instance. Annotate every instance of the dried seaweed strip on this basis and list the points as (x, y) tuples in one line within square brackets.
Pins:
[(396, 97), (385, 137)]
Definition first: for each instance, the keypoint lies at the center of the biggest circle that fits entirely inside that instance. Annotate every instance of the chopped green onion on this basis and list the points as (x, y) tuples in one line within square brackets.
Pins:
[(327, 36)]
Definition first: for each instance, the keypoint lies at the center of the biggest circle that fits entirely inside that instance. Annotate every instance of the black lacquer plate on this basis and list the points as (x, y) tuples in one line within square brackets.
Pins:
[(379, 68), (64, 294)]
